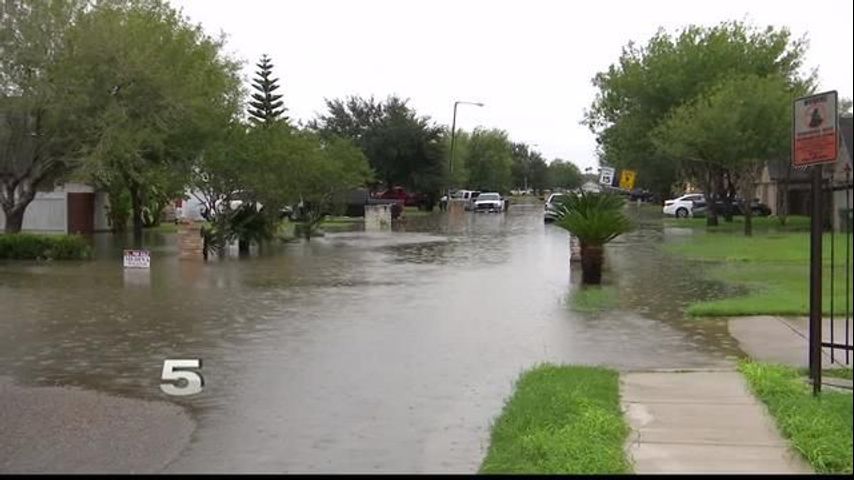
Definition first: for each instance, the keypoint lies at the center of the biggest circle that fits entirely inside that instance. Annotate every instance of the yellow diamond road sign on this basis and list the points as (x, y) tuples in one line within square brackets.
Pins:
[(627, 179)]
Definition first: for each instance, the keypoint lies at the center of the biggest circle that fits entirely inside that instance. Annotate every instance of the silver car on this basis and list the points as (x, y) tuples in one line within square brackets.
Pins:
[(551, 208)]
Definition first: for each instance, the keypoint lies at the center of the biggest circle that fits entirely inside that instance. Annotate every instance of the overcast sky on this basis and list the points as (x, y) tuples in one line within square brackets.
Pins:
[(529, 61)]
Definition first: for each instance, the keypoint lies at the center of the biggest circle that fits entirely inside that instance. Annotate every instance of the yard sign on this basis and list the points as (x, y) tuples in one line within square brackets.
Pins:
[(814, 139), (137, 259)]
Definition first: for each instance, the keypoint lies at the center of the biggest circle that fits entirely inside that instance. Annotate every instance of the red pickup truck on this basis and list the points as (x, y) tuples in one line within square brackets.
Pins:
[(399, 193)]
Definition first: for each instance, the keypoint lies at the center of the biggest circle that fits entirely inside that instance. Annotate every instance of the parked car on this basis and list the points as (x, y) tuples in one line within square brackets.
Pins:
[(553, 202), (683, 207), (489, 202), (399, 193), (640, 194), (757, 208)]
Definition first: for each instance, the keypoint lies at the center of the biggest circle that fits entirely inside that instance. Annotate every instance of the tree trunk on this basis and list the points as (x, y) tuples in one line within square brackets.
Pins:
[(14, 208), (136, 208), (592, 258), (711, 208), (783, 199), (14, 219), (748, 221), (747, 187), (727, 197)]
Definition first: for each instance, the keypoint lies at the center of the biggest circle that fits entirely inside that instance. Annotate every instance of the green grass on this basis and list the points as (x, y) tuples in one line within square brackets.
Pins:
[(819, 428), (769, 247), (773, 289), (774, 268), (560, 419), (409, 212), (845, 373), (794, 223), (342, 220), (594, 298), (164, 228)]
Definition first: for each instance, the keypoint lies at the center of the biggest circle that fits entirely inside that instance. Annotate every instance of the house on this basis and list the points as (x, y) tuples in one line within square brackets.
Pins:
[(591, 186), (777, 177), (69, 208)]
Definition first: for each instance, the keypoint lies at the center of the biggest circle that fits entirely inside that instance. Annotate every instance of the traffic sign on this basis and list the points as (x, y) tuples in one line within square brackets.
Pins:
[(814, 127), (627, 179), (606, 175)]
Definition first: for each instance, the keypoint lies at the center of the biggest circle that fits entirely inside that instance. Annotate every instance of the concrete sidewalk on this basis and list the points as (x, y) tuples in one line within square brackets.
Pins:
[(785, 340), (701, 422)]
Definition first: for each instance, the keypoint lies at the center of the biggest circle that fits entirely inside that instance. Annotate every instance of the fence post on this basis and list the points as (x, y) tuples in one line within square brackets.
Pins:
[(816, 225)]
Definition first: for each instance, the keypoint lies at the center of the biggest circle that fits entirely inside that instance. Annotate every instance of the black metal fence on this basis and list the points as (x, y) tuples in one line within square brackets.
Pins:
[(837, 342)]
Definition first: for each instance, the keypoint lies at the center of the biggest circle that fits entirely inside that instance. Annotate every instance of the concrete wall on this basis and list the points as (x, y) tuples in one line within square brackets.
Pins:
[(48, 212), (377, 217)]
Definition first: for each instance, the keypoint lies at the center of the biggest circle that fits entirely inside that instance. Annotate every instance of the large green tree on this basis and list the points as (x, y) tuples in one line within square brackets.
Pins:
[(529, 168), (489, 160), (39, 128), (639, 91), (564, 174), (401, 146), (266, 106), (291, 167), (736, 126), (152, 91)]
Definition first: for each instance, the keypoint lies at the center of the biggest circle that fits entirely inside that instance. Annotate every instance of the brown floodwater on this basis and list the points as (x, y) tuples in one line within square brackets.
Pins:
[(358, 351)]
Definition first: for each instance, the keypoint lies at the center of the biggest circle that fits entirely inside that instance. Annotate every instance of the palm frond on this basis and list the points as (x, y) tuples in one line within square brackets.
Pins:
[(595, 218)]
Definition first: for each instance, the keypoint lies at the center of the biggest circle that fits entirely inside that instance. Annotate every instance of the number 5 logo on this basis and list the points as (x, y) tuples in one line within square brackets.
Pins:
[(194, 381)]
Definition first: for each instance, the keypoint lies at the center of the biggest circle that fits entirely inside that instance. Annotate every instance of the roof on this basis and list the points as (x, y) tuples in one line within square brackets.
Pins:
[(777, 171)]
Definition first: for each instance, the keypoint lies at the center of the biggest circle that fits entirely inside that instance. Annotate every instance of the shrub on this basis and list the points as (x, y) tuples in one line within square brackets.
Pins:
[(28, 246)]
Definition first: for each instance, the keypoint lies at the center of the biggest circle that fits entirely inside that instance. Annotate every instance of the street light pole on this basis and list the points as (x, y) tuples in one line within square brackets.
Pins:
[(453, 142)]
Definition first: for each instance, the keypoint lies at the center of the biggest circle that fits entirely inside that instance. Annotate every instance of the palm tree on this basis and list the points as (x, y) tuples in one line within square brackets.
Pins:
[(595, 219)]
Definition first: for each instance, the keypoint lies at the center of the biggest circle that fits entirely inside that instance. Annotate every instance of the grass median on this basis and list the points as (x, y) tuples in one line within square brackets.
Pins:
[(560, 419), (594, 298), (794, 223), (820, 428), (772, 267)]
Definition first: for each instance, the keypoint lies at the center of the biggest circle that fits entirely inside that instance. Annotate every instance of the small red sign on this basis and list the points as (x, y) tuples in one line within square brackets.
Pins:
[(814, 135)]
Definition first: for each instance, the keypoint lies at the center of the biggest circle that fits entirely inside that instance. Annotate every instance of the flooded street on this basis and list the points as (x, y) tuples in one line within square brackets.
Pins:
[(355, 352)]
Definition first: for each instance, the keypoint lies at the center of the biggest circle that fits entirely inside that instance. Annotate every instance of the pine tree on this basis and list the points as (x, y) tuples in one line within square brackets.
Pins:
[(265, 106)]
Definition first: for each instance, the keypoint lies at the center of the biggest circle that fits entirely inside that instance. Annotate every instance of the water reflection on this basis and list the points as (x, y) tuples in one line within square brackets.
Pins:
[(357, 351)]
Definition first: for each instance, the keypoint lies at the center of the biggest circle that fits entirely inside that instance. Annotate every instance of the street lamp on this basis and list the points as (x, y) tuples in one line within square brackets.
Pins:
[(453, 141)]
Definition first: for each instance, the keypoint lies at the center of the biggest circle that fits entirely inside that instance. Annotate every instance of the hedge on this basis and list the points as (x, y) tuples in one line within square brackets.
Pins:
[(28, 246)]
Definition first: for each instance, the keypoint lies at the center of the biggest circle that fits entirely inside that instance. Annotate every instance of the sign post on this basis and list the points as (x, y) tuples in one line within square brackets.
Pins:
[(815, 143)]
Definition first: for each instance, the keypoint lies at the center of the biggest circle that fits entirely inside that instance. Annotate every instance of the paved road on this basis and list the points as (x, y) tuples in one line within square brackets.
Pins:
[(69, 430)]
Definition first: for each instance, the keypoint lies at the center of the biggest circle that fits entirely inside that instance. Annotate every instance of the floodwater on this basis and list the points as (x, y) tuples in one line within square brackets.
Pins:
[(357, 351)]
